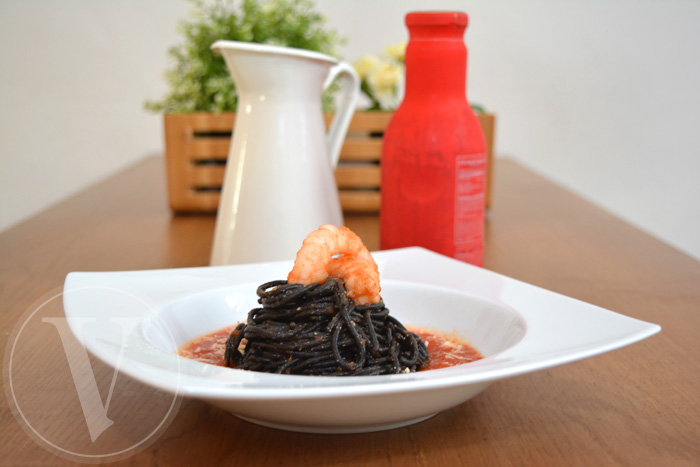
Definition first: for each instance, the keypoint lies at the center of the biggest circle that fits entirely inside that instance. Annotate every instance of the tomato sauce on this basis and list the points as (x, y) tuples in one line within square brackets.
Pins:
[(209, 348), (444, 350)]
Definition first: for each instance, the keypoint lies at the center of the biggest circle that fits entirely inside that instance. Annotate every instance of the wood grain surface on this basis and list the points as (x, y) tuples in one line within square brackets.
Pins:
[(636, 406)]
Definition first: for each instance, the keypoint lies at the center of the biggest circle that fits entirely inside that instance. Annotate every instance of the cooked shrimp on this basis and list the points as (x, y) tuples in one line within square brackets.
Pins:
[(361, 278), (337, 252)]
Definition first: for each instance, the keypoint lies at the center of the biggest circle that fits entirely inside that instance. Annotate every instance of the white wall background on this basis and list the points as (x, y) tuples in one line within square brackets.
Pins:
[(602, 97)]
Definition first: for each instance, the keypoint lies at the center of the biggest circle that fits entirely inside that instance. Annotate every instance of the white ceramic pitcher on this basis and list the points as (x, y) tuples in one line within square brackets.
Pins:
[(279, 184)]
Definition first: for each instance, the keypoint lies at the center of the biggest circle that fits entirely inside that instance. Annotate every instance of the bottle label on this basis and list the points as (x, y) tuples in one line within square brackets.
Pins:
[(470, 179)]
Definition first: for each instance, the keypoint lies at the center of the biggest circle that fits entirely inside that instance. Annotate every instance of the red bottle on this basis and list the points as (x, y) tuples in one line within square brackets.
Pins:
[(434, 153)]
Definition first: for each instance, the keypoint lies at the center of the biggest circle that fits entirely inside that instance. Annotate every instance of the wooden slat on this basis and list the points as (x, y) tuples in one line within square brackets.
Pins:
[(176, 161), (359, 200), (206, 122), (365, 122), (205, 176), (358, 176), (207, 148), (201, 201), (365, 149), (369, 122)]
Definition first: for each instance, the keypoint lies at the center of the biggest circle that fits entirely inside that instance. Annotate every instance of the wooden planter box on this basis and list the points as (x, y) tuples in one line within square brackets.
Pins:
[(197, 146)]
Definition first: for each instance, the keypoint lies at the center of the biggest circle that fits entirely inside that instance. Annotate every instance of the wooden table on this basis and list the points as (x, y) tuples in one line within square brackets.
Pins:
[(636, 406)]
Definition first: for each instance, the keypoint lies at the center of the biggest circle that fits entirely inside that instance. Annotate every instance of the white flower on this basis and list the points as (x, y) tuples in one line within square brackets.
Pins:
[(382, 77), (397, 51), (365, 65), (383, 81)]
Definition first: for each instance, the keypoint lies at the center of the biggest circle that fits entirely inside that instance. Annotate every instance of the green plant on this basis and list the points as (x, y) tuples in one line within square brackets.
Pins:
[(199, 80)]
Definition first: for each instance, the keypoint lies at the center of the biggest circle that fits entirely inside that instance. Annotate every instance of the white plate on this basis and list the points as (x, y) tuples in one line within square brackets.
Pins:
[(519, 328)]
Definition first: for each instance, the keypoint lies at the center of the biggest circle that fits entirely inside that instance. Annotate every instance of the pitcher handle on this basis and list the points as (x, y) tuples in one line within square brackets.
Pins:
[(346, 107)]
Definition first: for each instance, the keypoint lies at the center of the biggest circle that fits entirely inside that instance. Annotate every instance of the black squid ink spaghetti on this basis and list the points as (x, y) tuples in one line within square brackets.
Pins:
[(317, 329)]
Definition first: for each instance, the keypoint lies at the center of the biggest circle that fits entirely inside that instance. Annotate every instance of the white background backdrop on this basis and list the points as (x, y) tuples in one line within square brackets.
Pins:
[(602, 97)]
